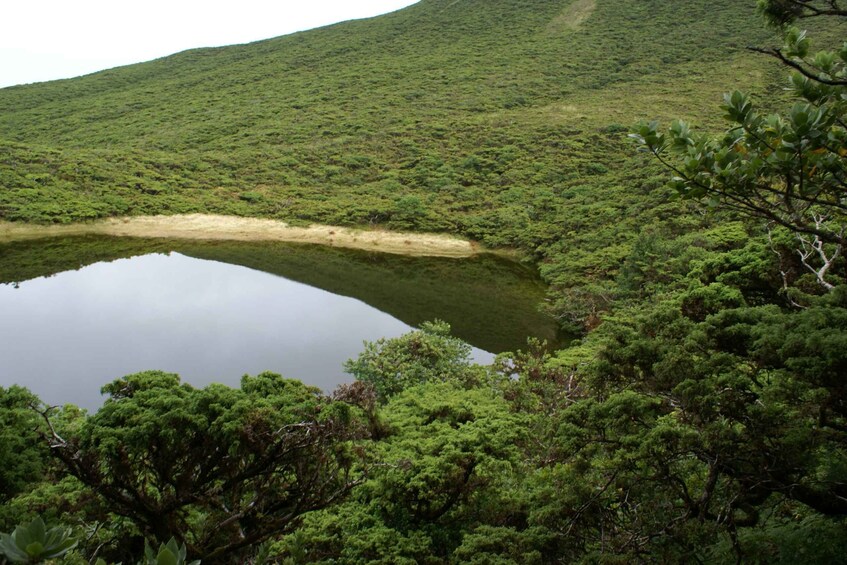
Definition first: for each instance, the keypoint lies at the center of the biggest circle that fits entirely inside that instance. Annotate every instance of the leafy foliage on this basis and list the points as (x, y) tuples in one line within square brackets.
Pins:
[(442, 461), (787, 169), (430, 354), (34, 543), (221, 469), (169, 553), (23, 458)]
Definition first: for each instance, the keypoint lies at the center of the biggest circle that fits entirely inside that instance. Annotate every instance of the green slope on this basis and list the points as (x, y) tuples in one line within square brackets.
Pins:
[(439, 59), (446, 103)]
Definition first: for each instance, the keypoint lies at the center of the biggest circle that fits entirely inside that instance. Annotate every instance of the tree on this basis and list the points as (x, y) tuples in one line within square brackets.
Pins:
[(723, 420), (782, 12), (22, 455), (790, 169), (447, 463), (430, 354), (693, 440), (220, 469)]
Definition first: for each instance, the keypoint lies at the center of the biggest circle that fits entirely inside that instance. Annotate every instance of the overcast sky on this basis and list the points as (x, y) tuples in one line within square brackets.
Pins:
[(51, 39)]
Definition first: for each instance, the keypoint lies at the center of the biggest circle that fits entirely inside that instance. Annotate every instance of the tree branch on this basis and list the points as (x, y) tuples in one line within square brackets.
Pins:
[(776, 52)]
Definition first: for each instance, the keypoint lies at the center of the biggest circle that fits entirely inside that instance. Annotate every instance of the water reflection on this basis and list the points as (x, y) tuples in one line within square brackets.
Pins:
[(67, 335)]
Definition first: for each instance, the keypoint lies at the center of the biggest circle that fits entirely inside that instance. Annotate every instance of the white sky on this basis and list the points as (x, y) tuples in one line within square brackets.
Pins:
[(51, 39)]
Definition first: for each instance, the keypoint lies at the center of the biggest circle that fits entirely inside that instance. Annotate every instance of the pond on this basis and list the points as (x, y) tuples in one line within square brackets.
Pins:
[(80, 312)]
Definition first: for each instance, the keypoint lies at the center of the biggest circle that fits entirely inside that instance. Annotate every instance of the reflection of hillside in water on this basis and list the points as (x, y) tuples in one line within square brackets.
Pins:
[(68, 335), (489, 301)]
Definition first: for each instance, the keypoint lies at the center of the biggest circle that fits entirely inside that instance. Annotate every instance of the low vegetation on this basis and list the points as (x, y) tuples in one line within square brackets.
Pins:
[(701, 418)]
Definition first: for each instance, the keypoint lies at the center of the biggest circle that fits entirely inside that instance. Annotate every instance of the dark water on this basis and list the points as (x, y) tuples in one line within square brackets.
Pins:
[(78, 313)]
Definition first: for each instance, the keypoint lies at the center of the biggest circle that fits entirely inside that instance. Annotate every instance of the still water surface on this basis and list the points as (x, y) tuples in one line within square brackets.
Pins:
[(66, 335)]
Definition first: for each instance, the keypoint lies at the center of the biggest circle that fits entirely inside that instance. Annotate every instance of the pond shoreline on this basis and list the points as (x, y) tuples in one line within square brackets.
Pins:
[(218, 227)]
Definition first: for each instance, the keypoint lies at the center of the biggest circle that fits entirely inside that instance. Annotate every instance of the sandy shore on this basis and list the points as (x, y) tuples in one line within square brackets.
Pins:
[(207, 226)]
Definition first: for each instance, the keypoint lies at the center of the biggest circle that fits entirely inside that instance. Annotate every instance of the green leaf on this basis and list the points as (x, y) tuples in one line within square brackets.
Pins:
[(63, 547), (796, 43), (167, 557), (9, 548), (35, 549), (37, 530), (21, 537)]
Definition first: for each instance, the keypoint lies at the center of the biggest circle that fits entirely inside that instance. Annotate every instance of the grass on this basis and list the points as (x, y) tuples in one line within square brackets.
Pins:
[(443, 101)]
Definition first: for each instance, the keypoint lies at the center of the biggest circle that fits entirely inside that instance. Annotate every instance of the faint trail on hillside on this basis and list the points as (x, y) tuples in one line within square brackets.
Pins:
[(572, 16), (450, 5)]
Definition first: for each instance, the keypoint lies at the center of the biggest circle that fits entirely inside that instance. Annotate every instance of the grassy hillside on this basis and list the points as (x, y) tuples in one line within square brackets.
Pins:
[(426, 118)]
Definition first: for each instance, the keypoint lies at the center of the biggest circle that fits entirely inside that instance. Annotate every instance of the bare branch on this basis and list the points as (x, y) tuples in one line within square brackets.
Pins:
[(809, 248), (60, 442)]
